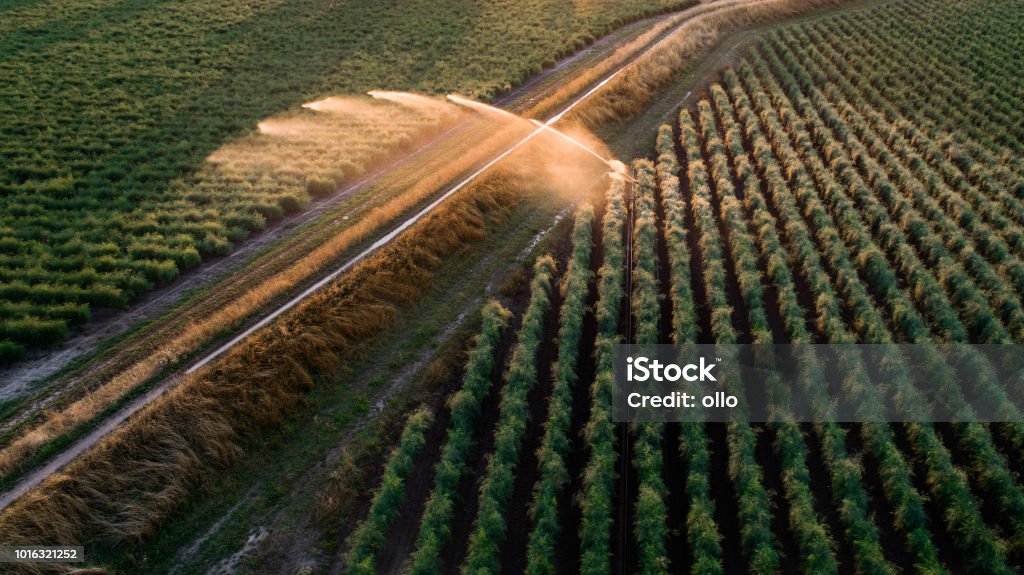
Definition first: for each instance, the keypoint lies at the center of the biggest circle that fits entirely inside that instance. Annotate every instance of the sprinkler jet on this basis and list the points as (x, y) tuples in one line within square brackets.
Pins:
[(617, 167)]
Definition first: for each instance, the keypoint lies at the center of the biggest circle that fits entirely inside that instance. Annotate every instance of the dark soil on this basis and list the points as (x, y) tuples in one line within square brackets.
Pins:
[(625, 494), (772, 476), (727, 513), (680, 555), (893, 542), (576, 460), (518, 524), (949, 554)]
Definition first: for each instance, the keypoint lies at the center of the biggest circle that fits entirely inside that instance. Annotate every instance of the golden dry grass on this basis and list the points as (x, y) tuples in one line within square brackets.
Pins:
[(619, 56), (630, 91)]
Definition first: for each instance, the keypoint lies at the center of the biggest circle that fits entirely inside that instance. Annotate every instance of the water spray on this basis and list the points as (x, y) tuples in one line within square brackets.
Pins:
[(618, 169), (407, 99)]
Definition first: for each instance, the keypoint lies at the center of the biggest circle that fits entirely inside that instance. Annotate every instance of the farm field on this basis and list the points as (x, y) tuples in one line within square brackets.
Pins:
[(128, 374), (816, 191), (107, 185), (851, 174)]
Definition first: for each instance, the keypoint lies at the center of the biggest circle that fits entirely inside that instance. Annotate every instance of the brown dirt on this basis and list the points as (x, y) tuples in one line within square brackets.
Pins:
[(518, 524), (893, 542), (772, 474), (576, 458)]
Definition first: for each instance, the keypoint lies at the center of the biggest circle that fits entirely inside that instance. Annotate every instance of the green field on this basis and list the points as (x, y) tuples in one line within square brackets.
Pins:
[(842, 173), (110, 110)]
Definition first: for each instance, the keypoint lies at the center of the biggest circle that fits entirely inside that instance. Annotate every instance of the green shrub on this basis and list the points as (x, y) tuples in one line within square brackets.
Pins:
[(368, 538), (318, 185), (32, 331), (11, 352), (513, 416)]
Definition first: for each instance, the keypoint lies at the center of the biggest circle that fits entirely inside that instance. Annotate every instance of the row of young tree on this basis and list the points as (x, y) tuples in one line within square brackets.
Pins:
[(649, 512), (465, 406), (949, 477), (489, 528), (818, 209), (541, 553), (988, 464), (597, 496)]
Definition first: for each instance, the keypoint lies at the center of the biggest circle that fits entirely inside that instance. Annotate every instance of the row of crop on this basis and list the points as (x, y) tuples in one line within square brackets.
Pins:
[(650, 523), (98, 295), (896, 480), (968, 524), (513, 417), (72, 313), (757, 541), (133, 276), (963, 202), (596, 507), (899, 238), (933, 115), (993, 235), (555, 445), (369, 538), (33, 229), (702, 534), (988, 465), (737, 238), (465, 407), (812, 538)]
